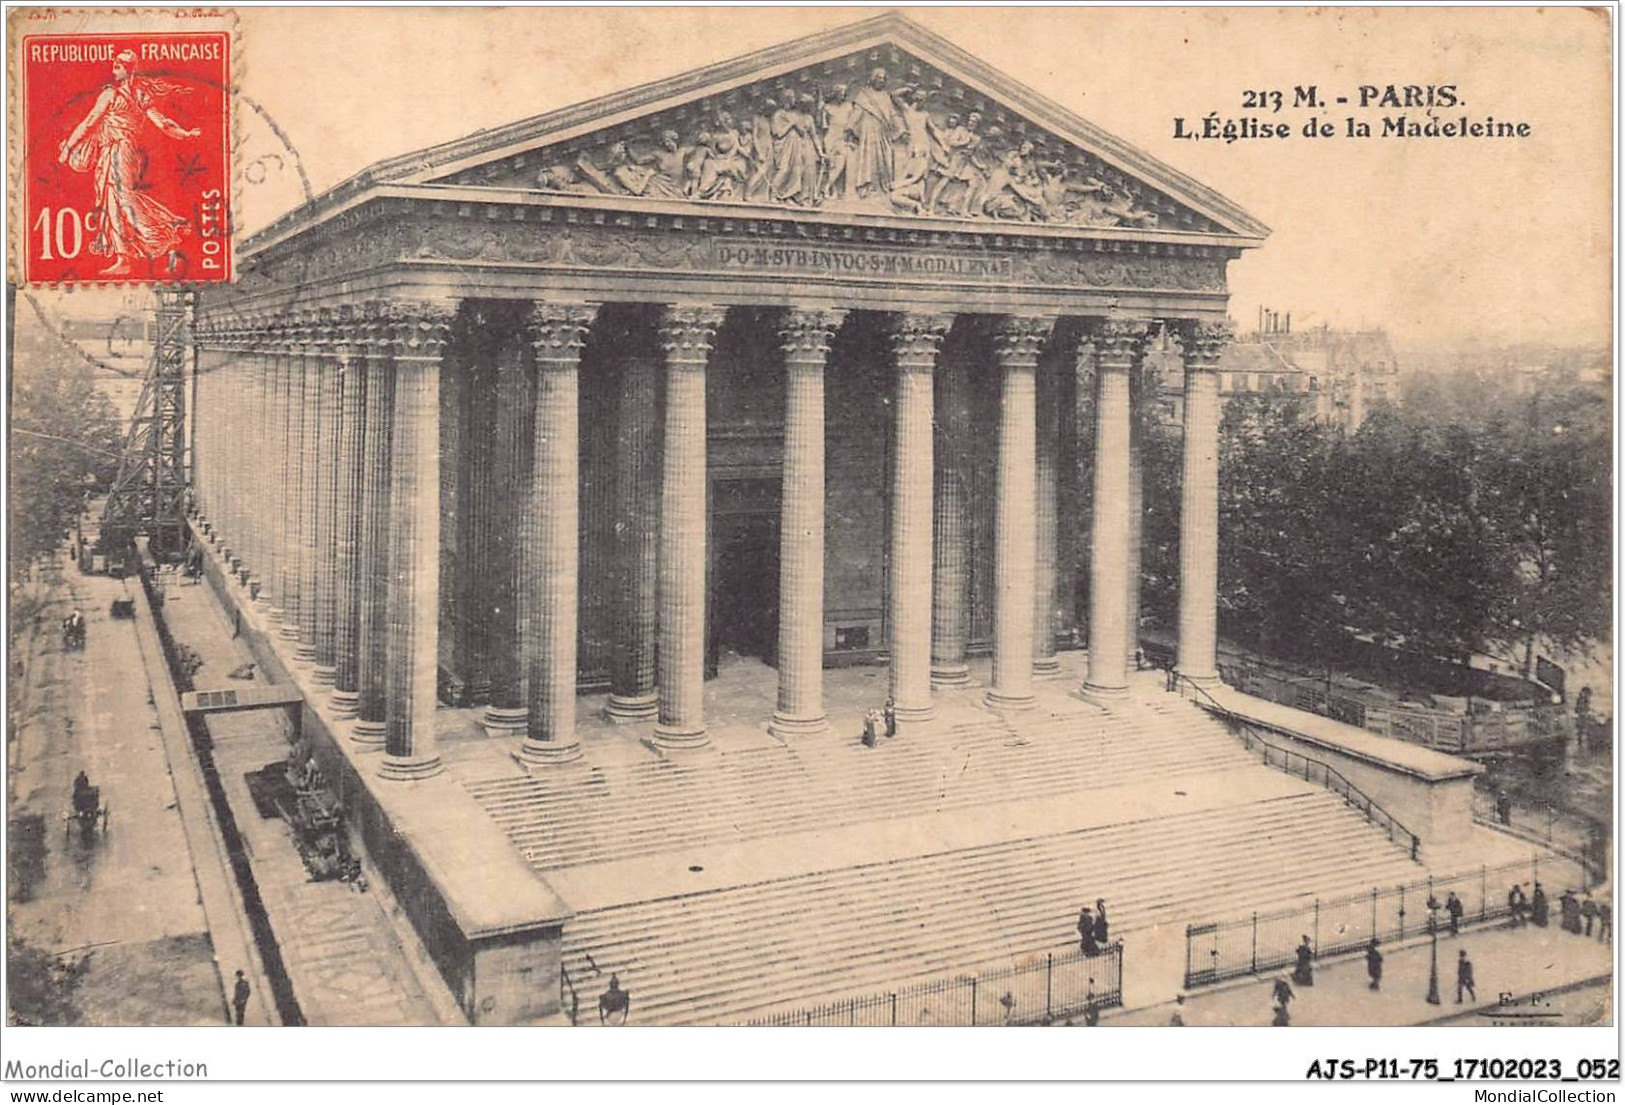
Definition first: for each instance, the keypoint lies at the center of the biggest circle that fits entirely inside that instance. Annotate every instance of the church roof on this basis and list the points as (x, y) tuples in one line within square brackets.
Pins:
[(989, 152)]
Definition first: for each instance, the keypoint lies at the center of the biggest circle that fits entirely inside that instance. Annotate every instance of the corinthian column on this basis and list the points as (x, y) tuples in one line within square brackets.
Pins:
[(686, 333), (1017, 343), (347, 521), (1046, 492), (411, 683), (1136, 513), (806, 337), (1118, 345), (950, 579), (510, 477), (637, 543), (1199, 504), (305, 337), (290, 464), (329, 358), (373, 345), (915, 341), (549, 553)]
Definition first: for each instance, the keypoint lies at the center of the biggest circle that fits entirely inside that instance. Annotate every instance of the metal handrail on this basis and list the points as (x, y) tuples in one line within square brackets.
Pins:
[(565, 984), (1351, 794)]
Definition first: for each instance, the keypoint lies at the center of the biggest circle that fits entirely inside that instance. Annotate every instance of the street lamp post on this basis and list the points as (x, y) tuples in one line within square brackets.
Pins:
[(1433, 942)]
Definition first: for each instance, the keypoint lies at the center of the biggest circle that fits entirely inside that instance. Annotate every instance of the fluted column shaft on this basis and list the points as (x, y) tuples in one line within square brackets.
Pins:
[(348, 521), (372, 629), (330, 362), (950, 575), (309, 487), (414, 548), (916, 341), (1046, 492), (272, 429), (550, 550), (1018, 341), (1118, 346), (1199, 505), (510, 475), (291, 461), (637, 544), (806, 336), (687, 334), (1136, 514)]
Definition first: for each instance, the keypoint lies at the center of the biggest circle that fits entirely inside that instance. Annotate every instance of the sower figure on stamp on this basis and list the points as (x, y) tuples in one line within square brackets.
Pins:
[(131, 224)]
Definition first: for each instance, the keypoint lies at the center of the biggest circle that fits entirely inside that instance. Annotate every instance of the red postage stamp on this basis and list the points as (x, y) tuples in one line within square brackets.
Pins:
[(126, 158)]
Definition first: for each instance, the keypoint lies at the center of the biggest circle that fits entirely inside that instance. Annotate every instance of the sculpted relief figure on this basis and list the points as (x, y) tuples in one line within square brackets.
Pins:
[(875, 149), (874, 126)]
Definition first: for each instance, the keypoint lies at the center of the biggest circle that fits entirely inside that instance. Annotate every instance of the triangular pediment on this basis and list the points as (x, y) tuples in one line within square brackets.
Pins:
[(880, 118)]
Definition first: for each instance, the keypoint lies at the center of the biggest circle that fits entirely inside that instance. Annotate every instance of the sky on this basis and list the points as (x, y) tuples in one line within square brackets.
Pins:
[(1437, 240)]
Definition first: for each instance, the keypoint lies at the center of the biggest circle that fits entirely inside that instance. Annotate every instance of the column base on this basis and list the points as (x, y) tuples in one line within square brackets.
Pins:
[(325, 676), (1101, 695), (629, 709), (950, 675), (304, 654), (1046, 667), (505, 721), (288, 631), (533, 753), (370, 733), (997, 700), (913, 715), (344, 704), (783, 725), (678, 740), (277, 614), (409, 768)]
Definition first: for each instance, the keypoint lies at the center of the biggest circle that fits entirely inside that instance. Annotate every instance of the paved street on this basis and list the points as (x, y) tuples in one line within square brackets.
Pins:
[(1523, 962), (127, 900)]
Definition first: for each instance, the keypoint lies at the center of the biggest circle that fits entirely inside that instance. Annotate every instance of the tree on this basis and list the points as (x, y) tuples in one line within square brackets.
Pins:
[(65, 443)]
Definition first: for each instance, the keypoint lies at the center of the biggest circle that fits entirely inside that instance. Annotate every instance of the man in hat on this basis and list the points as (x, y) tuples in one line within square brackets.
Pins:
[(1373, 964), (1464, 976)]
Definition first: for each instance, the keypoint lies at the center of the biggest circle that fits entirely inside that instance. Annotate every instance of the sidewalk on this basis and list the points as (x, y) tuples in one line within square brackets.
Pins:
[(1523, 962)]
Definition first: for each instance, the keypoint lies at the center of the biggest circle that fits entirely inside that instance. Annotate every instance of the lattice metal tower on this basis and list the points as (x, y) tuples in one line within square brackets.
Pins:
[(149, 494)]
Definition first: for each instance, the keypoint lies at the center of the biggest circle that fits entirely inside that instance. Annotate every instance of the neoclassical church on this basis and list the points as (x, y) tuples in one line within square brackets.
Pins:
[(825, 360)]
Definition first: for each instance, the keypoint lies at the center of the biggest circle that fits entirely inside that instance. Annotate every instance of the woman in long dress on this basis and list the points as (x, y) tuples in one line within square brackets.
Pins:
[(130, 223)]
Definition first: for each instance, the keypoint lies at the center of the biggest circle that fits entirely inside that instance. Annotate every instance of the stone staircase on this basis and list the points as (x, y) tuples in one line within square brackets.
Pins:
[(574, 816), (723, 956)]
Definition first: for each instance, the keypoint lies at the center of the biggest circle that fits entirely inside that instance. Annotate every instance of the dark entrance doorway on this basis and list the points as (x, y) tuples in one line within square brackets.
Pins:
[(744, 599)]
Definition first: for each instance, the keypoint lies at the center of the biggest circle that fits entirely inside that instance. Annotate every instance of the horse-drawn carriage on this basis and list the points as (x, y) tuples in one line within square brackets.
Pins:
[(87, 810), (73, 633)]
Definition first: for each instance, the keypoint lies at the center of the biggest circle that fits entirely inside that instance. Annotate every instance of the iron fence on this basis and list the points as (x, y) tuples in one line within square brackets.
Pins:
[(1046, 987), (1261, 942)]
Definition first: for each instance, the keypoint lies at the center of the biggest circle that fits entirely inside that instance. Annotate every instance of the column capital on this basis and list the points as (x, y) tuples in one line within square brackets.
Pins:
[(687, 331), (917, 337), (557, 331), (416, 329), (1019, 339), (806, 332), (1121, 342), (1204, 343)]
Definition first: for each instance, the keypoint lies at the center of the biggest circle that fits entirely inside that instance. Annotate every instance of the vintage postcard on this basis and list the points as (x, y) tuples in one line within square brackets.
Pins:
[(814, 517)]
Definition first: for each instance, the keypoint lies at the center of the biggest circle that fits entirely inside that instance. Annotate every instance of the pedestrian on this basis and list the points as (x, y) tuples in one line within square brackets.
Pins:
[(1503, 808), (1373, 964), (1516, 904), (239, 996), (1177, 1020), (1086, 932), (1588, 912), (889, 716), (1464, 976), (1283, 994), (1569, 908), (1605, 922), (1453, 906), (1102, 932), (1539, 911), (871, 732), (1304, 973)]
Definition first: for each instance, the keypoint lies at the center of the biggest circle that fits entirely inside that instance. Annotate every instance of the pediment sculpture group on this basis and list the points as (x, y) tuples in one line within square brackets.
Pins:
[(875, 149)]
